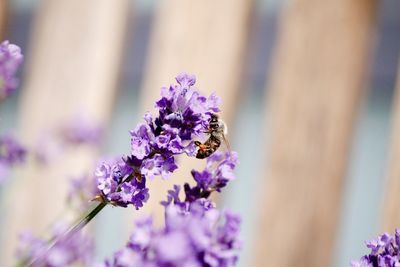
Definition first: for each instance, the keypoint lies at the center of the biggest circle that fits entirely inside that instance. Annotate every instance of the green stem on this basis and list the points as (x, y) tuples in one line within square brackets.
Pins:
[(68, 234), (83, 222)]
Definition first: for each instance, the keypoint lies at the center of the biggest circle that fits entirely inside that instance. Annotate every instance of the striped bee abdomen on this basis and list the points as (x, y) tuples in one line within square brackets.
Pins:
[(209, 147)]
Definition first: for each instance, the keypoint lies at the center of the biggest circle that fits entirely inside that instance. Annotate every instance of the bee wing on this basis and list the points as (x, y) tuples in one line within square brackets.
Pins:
[(228, 146)]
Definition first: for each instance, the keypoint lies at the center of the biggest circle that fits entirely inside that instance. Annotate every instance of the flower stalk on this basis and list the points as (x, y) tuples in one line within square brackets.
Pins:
[(204, 236)]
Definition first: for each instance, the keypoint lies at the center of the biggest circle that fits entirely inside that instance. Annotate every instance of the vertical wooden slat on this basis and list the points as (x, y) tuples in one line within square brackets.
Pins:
[(204, 37), (3, 18), (391, 203), (73, 69), (318, 73)]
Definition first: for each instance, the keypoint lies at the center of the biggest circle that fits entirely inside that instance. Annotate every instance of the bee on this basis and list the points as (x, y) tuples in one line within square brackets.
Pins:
[(217, 131)]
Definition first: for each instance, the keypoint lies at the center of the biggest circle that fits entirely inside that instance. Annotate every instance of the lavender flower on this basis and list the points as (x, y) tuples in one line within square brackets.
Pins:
[(120, 185), (11, 153), (69, 250), (384, 252), (81, 130), (200, 238), (216, 175), (200, 234), (184, 109), (10, 59), (10, 150), (183, 115)]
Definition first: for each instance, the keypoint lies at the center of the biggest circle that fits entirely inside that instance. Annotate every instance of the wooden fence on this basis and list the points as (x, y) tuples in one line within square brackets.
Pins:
[(318, 76)]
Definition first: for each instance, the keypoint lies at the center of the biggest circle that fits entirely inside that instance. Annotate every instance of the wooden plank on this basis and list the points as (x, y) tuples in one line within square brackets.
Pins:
[(73, 69), (391, 207), (195, 37), (3, 18), (320, 61)]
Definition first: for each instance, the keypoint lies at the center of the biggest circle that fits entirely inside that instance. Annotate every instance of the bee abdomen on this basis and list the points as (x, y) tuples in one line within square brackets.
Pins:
[(209, 147), (201, 154)]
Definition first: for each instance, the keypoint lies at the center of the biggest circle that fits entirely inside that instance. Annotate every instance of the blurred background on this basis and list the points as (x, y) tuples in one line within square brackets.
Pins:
[(309, 96)]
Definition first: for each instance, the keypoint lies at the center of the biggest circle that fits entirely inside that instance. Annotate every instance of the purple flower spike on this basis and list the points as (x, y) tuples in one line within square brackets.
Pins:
[(195, 233), (10, 60), (217, 174), (384, 252), (185, 109), (195, 238), (183, 115)]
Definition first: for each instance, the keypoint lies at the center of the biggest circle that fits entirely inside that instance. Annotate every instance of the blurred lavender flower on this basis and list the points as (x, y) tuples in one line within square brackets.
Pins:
[(384, 252), (183, 114), (197, 238), (11, 153), (68, 251), (81, 130), (10, 59), (47, 149), (10, 150), (53, 143)]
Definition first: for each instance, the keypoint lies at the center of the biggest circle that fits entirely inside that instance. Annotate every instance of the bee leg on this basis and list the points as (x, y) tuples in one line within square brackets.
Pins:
[(201, 156), (197, 143)]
